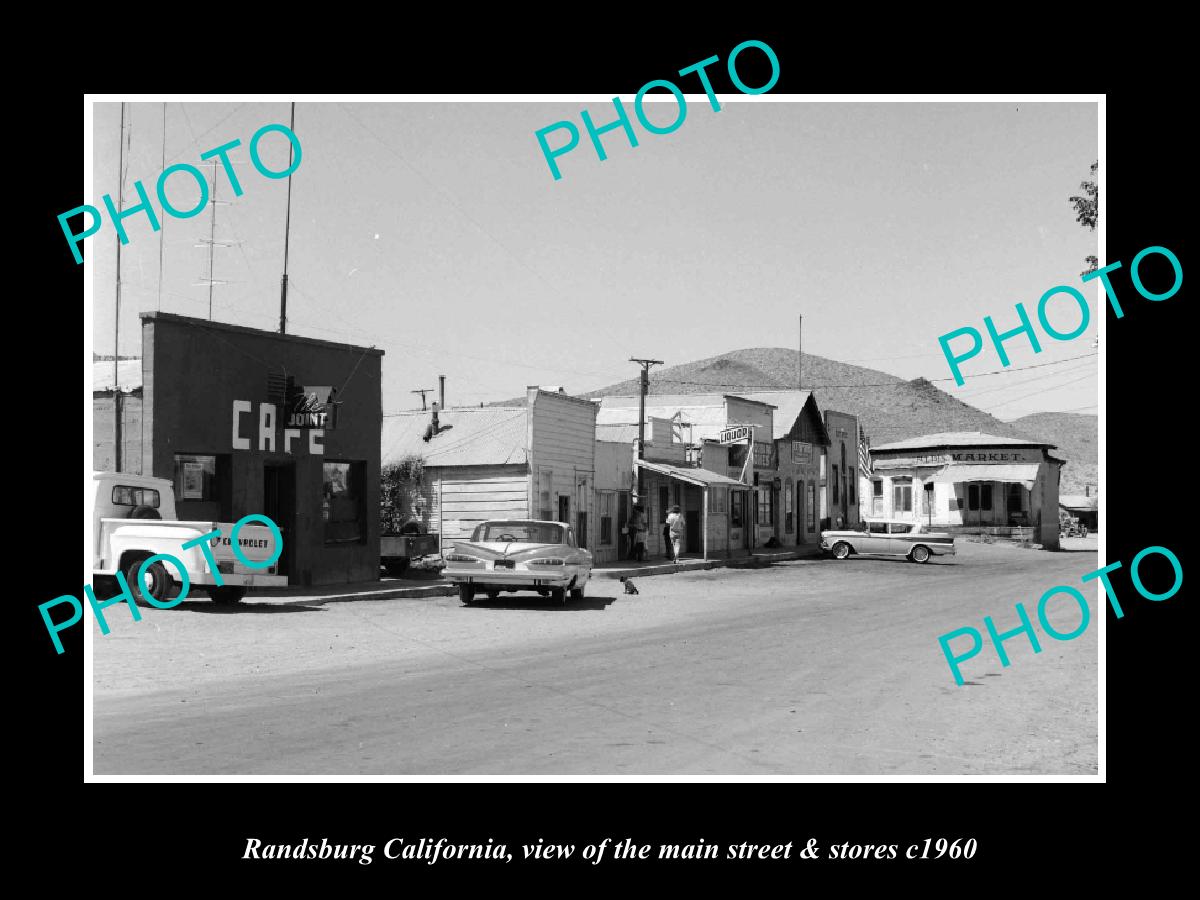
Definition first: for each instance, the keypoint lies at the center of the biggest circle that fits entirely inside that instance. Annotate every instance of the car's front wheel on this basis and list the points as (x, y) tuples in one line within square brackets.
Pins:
[(466, 594), (577, 592), (841, 550), (919, 554)]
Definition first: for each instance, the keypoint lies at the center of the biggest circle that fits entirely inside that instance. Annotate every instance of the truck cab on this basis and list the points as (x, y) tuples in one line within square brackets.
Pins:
[(134, 518)]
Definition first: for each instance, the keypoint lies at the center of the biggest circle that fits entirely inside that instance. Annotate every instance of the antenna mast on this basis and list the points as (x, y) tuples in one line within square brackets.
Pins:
[(287, 229)]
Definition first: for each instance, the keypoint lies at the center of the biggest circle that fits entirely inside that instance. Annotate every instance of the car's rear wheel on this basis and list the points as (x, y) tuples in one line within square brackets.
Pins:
[(577, 592), (919, 554), (156, 583), (841, 550), (466, 594)]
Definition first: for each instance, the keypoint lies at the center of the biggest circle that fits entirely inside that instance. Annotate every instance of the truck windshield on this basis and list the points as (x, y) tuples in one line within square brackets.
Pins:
[(522, 532)]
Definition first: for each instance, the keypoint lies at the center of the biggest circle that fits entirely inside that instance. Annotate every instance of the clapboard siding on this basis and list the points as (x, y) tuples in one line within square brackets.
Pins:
[(469, 495), (563, 444)]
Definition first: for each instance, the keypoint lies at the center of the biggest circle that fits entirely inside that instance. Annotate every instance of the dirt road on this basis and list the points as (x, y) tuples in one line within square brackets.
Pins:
[(807, 667)]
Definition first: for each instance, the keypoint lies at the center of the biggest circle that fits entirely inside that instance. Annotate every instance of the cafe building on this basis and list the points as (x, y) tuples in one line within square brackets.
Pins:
[(245, 421), (969, 483)]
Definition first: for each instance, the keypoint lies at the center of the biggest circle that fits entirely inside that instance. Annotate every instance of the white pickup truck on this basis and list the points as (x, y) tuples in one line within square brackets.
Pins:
[(134, 519)]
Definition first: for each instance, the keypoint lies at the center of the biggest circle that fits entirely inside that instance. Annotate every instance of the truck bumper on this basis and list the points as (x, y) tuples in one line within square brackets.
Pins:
[(234, 579)]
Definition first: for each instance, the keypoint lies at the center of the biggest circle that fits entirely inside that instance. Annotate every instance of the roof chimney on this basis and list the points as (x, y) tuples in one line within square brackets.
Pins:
[(433, 427), (442, 391)]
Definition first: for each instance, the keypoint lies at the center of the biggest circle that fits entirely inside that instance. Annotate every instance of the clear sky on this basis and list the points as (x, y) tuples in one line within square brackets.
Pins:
[(436, 232)]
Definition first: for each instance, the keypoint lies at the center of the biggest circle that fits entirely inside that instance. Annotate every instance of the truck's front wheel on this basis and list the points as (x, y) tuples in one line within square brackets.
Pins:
[(155, 583), (227, 596)]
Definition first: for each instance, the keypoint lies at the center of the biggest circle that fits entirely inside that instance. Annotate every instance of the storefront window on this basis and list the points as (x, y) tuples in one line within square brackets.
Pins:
[(901, 495), (343, 505), (1014, 498), (735, 509), (765, 510), (787, 506), (195, 476), (810, 506)]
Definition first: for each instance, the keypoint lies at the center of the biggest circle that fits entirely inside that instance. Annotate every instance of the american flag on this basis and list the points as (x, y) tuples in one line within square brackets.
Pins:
[(864, 452)]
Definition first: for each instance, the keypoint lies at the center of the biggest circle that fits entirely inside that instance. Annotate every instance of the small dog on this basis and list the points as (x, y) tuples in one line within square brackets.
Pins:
[(630, 587)]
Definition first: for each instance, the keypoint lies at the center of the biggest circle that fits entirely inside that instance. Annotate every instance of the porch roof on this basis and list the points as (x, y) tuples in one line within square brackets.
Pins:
[(700, 477)]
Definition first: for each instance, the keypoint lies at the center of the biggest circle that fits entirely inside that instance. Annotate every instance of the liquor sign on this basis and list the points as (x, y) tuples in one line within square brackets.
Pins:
[(801, 452), (736, 433)]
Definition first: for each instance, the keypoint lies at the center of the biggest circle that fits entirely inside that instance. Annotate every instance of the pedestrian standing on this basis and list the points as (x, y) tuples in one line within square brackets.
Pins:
[(675, 526), (637, 533)]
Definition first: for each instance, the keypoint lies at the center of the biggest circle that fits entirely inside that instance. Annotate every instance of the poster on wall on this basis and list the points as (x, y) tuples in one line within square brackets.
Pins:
[(193, 481)]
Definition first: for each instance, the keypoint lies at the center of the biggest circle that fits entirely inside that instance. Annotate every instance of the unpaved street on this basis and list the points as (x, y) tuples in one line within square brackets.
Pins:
[(809, 667)]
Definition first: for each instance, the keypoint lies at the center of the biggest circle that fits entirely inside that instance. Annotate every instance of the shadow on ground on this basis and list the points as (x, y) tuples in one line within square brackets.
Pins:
[(542, 604)]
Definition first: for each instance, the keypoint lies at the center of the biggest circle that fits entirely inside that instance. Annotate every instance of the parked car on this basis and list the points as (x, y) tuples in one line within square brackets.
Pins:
[(893, 537), (519, 555), (134, 519)]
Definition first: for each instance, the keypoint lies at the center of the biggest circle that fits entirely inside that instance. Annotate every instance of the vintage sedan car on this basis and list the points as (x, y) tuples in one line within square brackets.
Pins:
[(894, 537), (519, 555)]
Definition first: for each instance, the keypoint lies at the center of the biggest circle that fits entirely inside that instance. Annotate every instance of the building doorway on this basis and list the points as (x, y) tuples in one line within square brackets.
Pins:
[(279, 505)]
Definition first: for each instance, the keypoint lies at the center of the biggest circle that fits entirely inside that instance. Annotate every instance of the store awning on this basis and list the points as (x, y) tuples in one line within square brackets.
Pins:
[(1017, 474), (700, 477)]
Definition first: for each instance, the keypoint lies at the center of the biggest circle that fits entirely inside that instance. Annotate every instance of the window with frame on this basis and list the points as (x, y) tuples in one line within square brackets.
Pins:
[(737, 456), (902, 495), (850, 476), (788, 514), (343, 504), (765, 510), (1015, 501), (196, 476), (836, 482), (127, 495), (877, 487), (736, 505), (718, 499), (810, 505)]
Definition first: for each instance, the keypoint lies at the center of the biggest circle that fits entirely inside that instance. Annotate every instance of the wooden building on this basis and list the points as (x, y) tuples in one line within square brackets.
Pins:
[(501, 462)]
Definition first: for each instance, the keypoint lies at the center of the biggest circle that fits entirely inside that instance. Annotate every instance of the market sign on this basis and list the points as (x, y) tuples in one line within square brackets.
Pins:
[(802, 452), (736, 433), (942, 459)]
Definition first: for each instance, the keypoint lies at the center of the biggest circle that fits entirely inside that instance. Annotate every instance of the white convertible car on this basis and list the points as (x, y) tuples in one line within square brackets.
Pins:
[(894, 537), (519, 555)]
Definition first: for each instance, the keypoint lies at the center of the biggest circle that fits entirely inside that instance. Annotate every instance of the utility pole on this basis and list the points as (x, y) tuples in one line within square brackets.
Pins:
[(645, 387), (117, 312), (422, 392), (799, 353), (287, 229)]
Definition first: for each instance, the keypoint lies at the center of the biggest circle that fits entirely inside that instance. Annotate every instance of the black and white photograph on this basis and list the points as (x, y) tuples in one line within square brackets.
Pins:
[(693, 434)]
